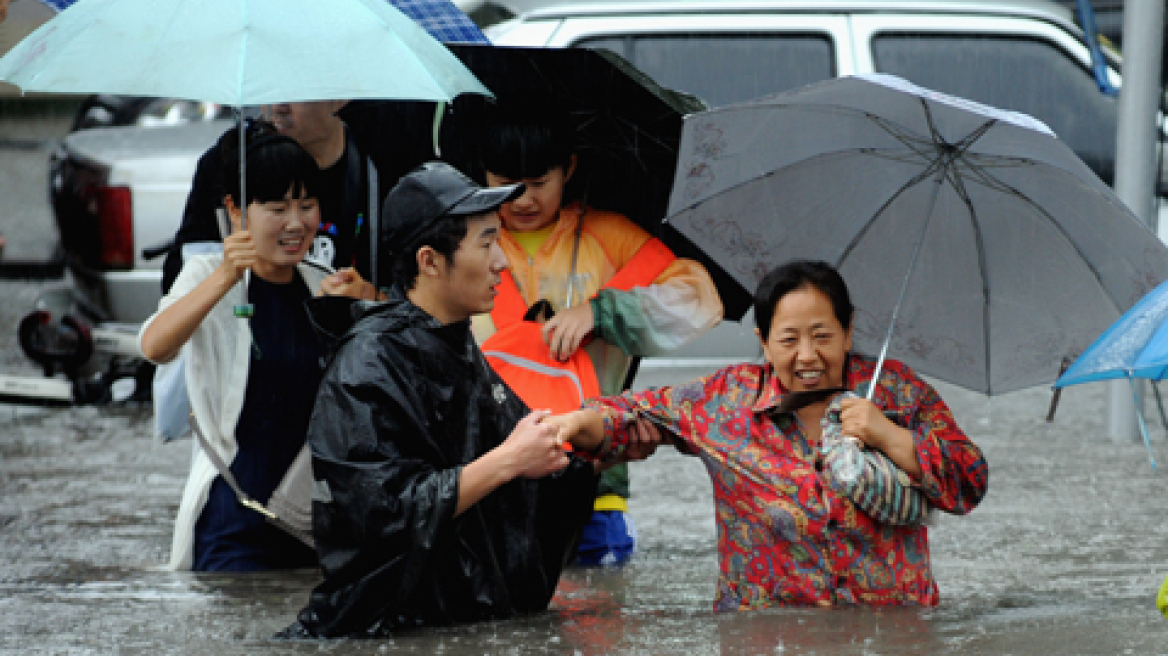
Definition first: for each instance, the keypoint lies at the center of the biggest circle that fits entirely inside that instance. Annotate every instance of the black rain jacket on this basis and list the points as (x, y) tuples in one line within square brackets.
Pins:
[(404, 404)]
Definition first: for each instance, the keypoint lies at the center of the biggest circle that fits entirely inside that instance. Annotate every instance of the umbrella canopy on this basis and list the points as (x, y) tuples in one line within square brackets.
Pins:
[(999, 250), (442, 19), (23, 17), (1135, 346), (237, 53), (627, 126)]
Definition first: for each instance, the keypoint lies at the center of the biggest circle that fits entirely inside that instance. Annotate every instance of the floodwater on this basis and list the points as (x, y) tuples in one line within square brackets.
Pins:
[(1064, 556)]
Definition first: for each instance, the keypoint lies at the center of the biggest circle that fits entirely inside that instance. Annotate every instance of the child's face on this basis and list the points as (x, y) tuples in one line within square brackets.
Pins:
[(539, 205)]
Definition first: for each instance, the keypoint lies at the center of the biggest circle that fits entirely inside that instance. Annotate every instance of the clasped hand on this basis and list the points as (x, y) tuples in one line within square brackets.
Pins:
[(347, 282), (864, 421), (239, 253)]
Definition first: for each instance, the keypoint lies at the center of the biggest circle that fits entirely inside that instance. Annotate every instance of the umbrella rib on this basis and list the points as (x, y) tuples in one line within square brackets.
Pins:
[(926, 173), (994, 183), (958, 183), (936, 158), (919, 146), (953, 175)]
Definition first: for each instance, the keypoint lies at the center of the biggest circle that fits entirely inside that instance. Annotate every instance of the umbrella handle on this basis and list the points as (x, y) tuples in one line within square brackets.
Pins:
[(1143, 424), (1058, 391), (245, 310)]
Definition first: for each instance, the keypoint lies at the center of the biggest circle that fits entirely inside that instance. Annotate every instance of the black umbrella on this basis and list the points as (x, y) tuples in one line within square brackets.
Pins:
[(627, 126), (627, 131)]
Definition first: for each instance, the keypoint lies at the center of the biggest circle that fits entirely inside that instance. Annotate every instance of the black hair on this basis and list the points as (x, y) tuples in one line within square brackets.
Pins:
[(798, 274), (275, 164), (444, 235), (525, 141)]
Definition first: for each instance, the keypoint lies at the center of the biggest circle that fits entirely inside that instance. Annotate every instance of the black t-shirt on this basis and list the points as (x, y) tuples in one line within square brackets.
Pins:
[(283, 377), (342, 238)]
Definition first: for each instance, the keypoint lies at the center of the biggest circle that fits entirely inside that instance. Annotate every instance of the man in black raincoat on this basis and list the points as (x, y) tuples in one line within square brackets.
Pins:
[(439, 498)]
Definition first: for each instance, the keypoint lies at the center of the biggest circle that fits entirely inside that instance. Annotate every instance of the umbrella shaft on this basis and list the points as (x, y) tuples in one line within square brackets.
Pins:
[(242, 169), (904, 283)]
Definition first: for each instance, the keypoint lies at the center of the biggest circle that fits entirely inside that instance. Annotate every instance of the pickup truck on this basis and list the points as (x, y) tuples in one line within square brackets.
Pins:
[(118, 193)]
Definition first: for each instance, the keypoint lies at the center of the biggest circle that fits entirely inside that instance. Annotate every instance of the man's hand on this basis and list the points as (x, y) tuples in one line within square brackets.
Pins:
[(532, 450), (583, 429), (347, 282), (566, 331), (534, 447)]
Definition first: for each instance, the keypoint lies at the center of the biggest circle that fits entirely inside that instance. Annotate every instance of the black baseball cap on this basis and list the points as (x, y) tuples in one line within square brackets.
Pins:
[(430, 192)]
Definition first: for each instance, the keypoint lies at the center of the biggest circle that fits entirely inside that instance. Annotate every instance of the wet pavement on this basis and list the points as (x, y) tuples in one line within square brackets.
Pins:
[(1064, 556)]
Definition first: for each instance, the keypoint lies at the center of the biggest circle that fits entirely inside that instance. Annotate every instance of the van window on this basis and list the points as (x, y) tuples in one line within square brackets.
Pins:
[(726, 68), (1021, 74)]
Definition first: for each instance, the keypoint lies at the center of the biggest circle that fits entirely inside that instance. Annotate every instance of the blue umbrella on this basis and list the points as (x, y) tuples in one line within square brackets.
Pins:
[(1135, 346), (443, 20), (58, 5)]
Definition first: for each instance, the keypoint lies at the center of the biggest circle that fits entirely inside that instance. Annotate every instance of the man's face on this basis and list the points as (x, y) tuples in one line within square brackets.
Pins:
[(3, 10), (306, 122), (468, 286)]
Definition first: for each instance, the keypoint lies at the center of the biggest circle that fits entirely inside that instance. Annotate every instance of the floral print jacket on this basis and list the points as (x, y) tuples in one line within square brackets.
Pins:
[(784, 536)]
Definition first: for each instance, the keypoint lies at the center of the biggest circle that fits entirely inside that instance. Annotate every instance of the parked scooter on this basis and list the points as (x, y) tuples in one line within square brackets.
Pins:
[(85, 360)]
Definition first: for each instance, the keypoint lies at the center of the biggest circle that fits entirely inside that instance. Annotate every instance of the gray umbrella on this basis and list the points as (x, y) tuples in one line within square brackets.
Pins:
[(978, 248)]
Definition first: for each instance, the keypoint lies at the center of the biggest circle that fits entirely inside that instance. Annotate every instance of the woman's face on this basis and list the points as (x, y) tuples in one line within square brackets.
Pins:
[(282, 230), (807, 344)]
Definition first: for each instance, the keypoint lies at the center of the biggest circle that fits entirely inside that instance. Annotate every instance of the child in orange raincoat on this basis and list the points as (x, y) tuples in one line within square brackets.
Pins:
[(616, 291)]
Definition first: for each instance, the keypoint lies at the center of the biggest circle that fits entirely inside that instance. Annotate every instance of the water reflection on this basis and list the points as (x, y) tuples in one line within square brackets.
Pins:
[(840, 631)]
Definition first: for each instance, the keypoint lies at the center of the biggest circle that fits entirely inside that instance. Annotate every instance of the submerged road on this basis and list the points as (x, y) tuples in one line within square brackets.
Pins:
[(1064, 556)]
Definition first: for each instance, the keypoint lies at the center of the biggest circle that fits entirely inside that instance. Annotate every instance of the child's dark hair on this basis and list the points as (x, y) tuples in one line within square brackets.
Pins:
[(275, 164), (797, 274), (444, 236), (524, 141)]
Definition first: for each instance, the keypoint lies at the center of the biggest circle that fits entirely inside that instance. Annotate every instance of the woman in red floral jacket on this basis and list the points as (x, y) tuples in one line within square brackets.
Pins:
[(786, 537)]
